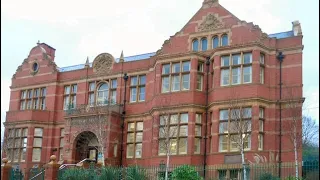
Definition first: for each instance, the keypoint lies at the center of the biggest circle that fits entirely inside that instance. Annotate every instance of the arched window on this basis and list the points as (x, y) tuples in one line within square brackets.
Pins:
[(195, 45), (215, 42), (224, 40), (102, 94), (204, 44)]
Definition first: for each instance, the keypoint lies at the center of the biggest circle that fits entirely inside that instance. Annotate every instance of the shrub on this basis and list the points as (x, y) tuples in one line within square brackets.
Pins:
[(135, 173), (110, 173), (78, 174), (185, 172), (293, 178), (268, 176)]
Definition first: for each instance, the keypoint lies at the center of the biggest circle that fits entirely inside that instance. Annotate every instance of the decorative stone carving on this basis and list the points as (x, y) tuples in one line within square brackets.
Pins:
[(210, 23), (102, 64)]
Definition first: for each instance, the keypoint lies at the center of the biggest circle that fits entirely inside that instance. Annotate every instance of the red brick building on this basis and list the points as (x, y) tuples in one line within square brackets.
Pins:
[(213, 59)]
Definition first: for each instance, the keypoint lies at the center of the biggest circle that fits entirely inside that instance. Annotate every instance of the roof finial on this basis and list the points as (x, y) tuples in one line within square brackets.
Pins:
[(87, 65), (121, 57), (38, 43)]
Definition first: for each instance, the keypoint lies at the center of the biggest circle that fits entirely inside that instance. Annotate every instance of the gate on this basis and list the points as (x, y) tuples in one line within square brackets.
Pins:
[(36, 173), (16, 174)]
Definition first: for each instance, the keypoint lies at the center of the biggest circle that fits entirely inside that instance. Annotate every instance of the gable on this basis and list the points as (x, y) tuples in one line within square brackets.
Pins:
[(210, 20)]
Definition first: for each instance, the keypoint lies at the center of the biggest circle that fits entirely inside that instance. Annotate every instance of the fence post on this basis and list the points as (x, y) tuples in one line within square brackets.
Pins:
[(52, 169), (5, 169)]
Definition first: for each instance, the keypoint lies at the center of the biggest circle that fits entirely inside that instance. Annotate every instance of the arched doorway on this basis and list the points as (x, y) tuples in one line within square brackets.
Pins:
[(86, 146)]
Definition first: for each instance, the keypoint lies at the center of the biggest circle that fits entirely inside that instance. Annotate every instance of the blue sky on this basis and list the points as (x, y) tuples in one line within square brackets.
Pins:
[(77, 29)]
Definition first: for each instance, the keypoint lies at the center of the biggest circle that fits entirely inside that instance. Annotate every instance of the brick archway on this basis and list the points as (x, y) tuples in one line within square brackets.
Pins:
[(85, 145)]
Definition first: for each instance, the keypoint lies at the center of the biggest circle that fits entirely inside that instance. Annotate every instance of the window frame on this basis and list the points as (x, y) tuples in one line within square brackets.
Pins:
[(21, 146), (198, 137), (138, 87), (37, 147), (134, 142), (70, 95), (261, 129), (170, 76), (40, 99), (192, 45), (94, 91)]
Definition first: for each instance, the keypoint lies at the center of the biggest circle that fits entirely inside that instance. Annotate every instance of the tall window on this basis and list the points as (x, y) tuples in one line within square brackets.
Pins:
[(137, 88), (204, 44), (37, 144), (61, 144), (195, 45), (33, 99), (224, 40), (200, 76), (70, 97), (17, 144), (215, 42), (134, 139), (229, 127), (261, 122), (176, 76), (197, 141), (102, 93), (236, 69), (178, 133), (262, 68)]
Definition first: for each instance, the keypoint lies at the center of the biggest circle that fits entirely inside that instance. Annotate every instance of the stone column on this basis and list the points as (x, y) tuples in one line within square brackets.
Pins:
[(5, 169), (52, 169)]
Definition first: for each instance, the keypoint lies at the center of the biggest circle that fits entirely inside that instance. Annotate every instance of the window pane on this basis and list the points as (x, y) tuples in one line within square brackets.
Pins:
[(247, 142), (224, 114), (186, 82), (134, 81), (261, 126), (224, 40), (184, 118), (17, 143), (262, 58), (142, 80), (166, 69), (92, 86), (66, 103), (73, 101), (164, 119), (114, 83), (198, 118), (173, 146), (61, 142), (247, 58), (236, 59), (162, 147), (67, 90), (139, 137), (24, 142), (130, 126), (200, 67), (236, 113), (142, 93), (204, 44), (225, 60), (195, 45), (130, 137), (260, 141), (261, 75), (23, 154), (133, 95), (224, 76), (174, 119), (43, 91), (165, 84), (215, 42), (25, 132), (74, 88), (197, 145), (173, 131), (183, 131), (35, 103), (233, 142), (36, 93), (37, 142), (236, 74), (113, 96), (23, 94), (36, 154), (223, 143), (43, 104), (261, 113), (247, 112), (30, 92), (139, 126), (175, 86), (18, 132), (199, 82), (38, 131), (185, 66), (22, 105), (138, 150), (16, 155), (183, 146), (223, 127), (91, 98), (130, 150), (175, 67), (247, 74), (198, 130)]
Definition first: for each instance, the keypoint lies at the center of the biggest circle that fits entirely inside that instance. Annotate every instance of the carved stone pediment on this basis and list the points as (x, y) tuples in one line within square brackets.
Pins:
[(210, 23), (103, 63)]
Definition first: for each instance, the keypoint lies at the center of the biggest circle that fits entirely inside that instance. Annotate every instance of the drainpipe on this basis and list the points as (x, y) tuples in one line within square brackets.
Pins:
[(125, 78), (280, 58), (206, 127)]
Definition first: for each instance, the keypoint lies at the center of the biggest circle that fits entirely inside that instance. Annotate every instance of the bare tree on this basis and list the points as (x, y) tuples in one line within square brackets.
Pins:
[(97, 123), (168, 130), (293, 126), (239, 127), (7, 144), (310, 130)]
